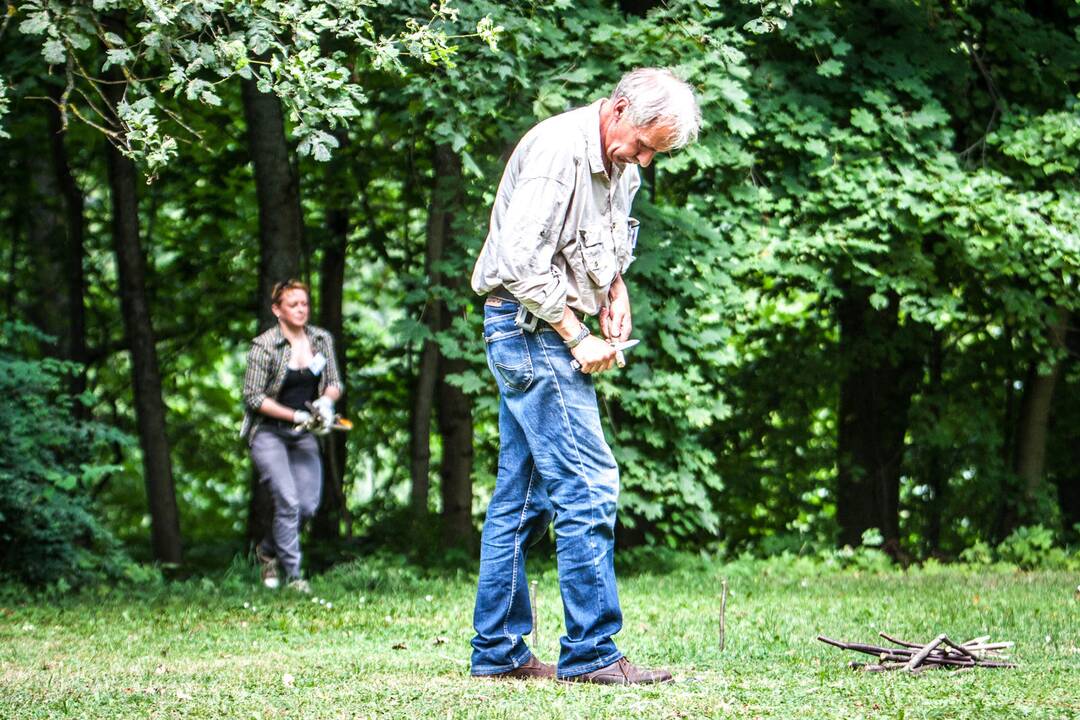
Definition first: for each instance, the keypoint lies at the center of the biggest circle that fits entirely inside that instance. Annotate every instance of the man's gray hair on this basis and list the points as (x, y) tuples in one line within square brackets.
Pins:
[(659, 95)]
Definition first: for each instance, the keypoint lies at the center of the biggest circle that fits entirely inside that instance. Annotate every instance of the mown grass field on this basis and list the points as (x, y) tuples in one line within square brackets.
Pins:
[(391, 641)]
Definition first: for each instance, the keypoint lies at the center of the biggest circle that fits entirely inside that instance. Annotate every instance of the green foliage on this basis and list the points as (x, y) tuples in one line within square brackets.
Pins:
[(1035, 547), (921, 158), (50, 462), (188, 50)]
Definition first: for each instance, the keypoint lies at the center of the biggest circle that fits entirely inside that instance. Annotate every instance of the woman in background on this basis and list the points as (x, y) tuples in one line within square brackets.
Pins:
[(291, 367)]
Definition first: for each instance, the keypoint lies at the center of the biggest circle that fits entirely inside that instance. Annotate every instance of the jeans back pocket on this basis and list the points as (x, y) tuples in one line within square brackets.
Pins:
[(509, 354)]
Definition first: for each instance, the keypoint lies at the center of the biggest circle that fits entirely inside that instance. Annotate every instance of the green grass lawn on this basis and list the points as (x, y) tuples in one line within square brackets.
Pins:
[(393, 641)]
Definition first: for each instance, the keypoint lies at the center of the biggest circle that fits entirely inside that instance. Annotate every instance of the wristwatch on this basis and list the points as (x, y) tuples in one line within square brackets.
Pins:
[(576, 340)]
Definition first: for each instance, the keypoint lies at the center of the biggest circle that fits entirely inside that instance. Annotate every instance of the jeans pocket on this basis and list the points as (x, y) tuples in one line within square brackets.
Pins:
[(509, 354)]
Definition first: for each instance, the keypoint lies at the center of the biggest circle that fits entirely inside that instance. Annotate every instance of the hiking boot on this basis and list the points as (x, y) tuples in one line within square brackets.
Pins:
[(533, 669), (299, 585), (268, 569), (622, 672)]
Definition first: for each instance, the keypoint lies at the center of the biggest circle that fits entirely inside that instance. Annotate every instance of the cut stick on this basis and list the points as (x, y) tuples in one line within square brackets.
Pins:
[(990, 646), (862, 647), (902, 643), (900, 655), (963, 650), (977, 641), (941, 652), (723, 607), (918, 657)]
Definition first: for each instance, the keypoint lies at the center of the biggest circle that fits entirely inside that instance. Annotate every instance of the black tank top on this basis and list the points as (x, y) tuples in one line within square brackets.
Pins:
[(299, 387)]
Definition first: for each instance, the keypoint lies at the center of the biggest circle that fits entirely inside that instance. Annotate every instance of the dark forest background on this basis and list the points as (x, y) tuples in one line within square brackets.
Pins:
[(857, 294)]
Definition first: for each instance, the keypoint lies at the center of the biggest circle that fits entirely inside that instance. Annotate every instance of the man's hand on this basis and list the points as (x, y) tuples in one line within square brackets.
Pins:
[(615, 321), (594, 354)]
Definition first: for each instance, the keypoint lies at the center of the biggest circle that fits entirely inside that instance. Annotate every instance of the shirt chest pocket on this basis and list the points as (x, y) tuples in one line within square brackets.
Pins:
[(598, 255)]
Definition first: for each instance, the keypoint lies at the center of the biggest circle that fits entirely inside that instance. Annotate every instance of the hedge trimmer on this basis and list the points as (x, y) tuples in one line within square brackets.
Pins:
[(316, 423)]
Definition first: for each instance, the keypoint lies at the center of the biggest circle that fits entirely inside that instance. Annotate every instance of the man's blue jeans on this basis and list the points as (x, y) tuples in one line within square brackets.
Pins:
[(553, 462)]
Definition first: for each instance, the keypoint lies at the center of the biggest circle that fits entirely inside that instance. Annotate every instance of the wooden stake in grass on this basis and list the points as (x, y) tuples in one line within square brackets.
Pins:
[(535, 627), (723, 607)]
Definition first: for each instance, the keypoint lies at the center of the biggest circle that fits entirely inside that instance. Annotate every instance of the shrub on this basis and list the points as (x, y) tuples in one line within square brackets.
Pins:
[(1032, 547), (48, 462)]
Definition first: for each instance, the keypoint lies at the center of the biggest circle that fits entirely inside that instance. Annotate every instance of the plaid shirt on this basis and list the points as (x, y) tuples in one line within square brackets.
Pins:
[(267, 363)]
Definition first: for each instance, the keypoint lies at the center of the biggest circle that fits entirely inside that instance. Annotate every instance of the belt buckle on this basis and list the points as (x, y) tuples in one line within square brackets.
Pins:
[(525, 319)]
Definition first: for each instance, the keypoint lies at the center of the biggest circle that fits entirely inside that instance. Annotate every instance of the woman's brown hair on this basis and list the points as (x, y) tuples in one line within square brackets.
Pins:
[(283, 287)]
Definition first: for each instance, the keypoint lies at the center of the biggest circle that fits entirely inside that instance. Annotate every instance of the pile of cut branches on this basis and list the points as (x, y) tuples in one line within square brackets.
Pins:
[(938, 653)]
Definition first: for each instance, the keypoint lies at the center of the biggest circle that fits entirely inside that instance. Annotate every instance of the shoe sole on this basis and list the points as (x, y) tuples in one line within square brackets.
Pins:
[(572, 681)]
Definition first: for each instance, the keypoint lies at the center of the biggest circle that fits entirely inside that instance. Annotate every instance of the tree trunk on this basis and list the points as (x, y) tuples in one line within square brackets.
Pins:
[(278, 194), (875, 395), (75, 276), (454, 415), (1068, 480), (149, 407), (280, 237), (1032, 430), (455, 476), (423, 399), (936, 476), (47, 249), (334, 508), (55, 234)]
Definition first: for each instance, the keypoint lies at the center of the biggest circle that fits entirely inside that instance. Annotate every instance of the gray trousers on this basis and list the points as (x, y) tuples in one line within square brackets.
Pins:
[(289, 461)]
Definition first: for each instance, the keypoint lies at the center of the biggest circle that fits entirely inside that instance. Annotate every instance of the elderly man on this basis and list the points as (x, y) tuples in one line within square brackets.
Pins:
[(559, 242)]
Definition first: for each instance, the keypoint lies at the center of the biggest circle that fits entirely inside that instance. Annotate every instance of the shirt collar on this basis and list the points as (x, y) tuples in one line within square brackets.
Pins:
[(592, 137), (278, 337)]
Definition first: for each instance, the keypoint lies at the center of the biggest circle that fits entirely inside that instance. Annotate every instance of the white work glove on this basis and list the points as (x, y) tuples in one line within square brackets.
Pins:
[(300, 417), (325, 407)]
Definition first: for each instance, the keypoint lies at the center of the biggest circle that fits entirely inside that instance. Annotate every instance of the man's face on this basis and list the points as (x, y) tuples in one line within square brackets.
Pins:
[(628, 143), (293, 307)]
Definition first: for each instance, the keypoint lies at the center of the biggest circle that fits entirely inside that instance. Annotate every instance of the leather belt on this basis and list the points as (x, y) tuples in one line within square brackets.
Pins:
[(503, 294)]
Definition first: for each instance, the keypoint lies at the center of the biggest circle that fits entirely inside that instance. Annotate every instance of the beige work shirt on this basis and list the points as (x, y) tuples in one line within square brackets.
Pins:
[(560, 227)]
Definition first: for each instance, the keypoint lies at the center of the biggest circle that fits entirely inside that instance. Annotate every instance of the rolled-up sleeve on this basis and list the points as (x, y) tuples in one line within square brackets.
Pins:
[(530, 233), (256, 376), (333, 375)]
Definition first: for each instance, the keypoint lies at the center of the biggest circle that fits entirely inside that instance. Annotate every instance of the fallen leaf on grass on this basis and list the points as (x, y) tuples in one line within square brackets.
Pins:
[(399, 646), (287, 680), (182, 695), (159, 670), (441, 640)]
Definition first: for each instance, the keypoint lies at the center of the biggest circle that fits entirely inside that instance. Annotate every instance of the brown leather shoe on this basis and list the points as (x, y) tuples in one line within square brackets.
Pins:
[(533, 669), (623, 672)]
